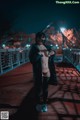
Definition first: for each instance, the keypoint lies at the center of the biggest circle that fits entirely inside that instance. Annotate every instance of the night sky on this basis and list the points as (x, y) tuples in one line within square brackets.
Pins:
[(31, 16)]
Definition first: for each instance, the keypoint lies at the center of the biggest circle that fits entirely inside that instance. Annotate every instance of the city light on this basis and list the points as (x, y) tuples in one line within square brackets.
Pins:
[(51, 45), (3, 45), (62, 29), (56, 45), (28, 45)]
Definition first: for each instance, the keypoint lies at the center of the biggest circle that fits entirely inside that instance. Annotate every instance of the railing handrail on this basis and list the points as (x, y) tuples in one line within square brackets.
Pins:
[(12, 49), (77, 49), (73, 56), (11, 58)]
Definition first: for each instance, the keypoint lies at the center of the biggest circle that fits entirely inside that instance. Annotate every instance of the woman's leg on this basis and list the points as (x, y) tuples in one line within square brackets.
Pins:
[(45, 89)]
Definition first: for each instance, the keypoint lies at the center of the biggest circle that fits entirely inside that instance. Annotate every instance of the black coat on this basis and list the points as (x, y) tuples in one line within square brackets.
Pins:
[(35, 60)]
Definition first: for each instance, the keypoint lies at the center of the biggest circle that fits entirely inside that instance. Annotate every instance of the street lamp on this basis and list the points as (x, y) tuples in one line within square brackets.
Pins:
[(3, 45), (62, 29)]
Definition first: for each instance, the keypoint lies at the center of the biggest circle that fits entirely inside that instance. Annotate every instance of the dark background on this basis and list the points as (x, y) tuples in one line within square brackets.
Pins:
[(31, 16)]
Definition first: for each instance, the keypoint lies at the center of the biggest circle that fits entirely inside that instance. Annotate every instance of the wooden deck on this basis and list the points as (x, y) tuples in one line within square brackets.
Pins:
[(17, 94)]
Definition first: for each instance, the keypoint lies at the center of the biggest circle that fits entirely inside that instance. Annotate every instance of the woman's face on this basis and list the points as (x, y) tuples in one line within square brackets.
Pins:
[(43, 37), (39, 41)]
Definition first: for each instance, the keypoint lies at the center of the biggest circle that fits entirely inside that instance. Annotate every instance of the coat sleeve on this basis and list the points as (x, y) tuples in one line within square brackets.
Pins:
[(33, 54)]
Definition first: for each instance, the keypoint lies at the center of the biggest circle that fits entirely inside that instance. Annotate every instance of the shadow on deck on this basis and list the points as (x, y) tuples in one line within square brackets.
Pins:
[(17, 94)]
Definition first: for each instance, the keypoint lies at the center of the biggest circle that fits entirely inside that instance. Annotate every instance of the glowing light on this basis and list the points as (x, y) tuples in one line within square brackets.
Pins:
[(56, 45), (62, 29), (48, 26), (3, 45), (28, 45), (51, 45)]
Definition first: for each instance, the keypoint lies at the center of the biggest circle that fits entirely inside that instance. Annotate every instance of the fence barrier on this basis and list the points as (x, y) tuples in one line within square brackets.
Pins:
[(73, 56), (11, 58)]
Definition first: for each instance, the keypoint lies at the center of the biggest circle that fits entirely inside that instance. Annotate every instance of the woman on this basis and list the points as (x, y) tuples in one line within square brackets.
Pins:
[(39, 58)]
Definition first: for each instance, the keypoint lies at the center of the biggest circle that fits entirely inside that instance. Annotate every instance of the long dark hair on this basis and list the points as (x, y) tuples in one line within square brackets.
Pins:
[(39, 37)]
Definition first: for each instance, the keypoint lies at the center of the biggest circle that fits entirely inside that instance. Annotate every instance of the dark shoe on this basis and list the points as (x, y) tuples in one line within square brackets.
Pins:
[(44, 108), (39, 107)]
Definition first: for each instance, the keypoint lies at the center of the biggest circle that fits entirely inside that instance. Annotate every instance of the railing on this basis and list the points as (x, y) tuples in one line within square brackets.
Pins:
[(73, 56), (11, 58)]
